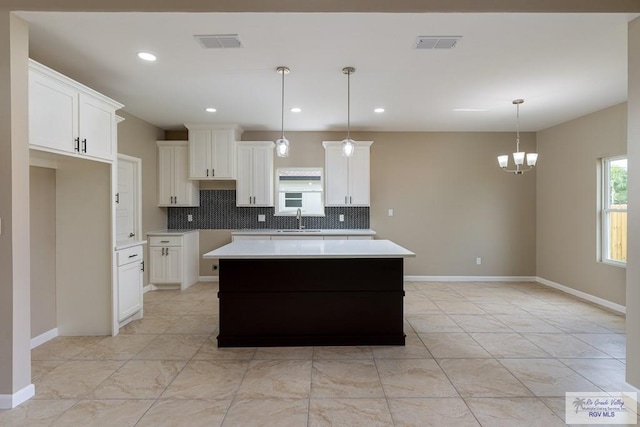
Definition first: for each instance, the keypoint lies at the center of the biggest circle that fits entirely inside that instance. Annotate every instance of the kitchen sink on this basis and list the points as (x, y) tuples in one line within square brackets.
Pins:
[(296, 230)]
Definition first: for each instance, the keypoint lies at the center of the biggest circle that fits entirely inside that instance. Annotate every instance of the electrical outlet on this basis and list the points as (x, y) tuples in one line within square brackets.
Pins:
[(190, 218), (341, 218), (390, 212), (478, 261), (261, 218)]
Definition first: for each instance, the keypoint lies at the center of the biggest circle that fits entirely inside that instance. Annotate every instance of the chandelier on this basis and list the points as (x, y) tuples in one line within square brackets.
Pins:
[(518, 156)]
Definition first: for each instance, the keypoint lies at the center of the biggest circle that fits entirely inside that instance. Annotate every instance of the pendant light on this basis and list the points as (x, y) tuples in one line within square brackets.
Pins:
[(348, 144), (518, 156), (282, 143)]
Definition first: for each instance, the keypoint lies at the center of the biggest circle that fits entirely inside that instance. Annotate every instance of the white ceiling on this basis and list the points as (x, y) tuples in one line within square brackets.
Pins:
[(563, 65)]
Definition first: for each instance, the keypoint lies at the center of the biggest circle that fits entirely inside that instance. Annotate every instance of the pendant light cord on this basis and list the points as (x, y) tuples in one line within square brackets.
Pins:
[(349, 105), (518, 127), (283, 73)]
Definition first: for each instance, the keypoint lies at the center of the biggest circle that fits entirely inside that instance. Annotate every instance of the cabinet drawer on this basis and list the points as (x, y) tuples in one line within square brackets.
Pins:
[(165, 241), (126, 256)]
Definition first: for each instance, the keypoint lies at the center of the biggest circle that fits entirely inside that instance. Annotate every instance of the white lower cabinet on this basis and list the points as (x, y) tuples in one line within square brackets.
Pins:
[(173, 260), (130, 282)]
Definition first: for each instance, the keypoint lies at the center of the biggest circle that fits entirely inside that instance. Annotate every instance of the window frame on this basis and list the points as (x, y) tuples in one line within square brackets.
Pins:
[(606, 210), (279, 209)]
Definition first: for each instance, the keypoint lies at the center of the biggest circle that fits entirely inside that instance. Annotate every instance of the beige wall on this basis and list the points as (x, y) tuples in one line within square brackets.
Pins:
[(42, 192), (137, 138), (451, 202), (330, 6), (633, 258), (15, 324), (567, 202)]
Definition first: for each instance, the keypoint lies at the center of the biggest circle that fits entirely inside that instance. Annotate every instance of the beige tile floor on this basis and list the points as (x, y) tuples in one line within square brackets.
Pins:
[(490, 354)]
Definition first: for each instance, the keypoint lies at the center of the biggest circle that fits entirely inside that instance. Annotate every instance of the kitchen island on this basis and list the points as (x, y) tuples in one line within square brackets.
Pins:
[(310, 292)]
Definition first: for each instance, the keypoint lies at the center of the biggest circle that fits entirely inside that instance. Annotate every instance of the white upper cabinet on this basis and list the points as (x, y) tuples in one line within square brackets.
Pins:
[(347, 178), (212, 152), (254, 186), (174, 186), (68, 118)]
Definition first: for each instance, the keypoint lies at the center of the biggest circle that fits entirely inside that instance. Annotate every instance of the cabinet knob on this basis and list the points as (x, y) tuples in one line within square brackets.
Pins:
[(132, 234)]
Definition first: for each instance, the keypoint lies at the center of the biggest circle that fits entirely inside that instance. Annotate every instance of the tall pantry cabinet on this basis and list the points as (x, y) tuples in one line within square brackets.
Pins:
[(73, 130)]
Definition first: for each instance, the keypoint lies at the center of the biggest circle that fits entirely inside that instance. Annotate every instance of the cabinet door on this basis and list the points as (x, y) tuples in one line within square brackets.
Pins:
[(223, 154), (199, 154), (129, 290), (157, 265), (96, 128), (262, 180), (173, 265), (53, 114), (337, 176), (359, 177), (244, 182), (165, 175), (183, 191)]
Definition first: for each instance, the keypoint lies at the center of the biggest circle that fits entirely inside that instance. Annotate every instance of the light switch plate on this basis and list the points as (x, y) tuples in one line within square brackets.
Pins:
[(390, 212), (190, 218), (341, 218), (261, 218), (478, 261)]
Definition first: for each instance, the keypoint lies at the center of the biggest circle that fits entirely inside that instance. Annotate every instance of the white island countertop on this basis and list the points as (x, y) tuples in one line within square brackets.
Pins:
[(299, 249), (304, 232)]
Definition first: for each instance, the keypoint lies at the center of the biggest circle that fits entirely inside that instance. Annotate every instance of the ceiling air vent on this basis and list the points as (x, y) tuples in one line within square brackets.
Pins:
[(437, 42), (219, 41)]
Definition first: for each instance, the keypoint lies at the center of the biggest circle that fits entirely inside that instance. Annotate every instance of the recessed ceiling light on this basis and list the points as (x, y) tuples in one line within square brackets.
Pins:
[(147, 56), (296, 109), (469, 110), (379, 110), (210, 110)]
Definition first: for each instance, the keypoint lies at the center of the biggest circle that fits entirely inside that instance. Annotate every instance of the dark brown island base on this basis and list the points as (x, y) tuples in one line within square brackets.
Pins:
[(310, 293)]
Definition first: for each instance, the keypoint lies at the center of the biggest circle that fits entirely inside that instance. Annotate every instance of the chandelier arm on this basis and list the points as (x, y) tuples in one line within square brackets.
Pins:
[(518, 171)]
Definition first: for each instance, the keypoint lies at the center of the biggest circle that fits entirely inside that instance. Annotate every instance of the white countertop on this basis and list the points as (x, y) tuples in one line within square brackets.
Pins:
[(292, 249), (129, 244), (306, 232), (170, 232)]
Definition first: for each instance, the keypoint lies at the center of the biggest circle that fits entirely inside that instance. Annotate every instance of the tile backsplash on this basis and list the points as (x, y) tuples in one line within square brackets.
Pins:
[(218, 211)]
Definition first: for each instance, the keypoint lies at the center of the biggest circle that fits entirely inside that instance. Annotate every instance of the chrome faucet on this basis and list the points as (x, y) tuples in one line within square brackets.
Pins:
[(299, 218)]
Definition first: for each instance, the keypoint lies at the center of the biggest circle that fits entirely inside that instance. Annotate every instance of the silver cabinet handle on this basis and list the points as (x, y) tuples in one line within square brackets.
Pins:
[(213, 172), (207, 172), (164, 241), (162, 252), (133, 256), (345, 200), (249, 199), (350, 200)]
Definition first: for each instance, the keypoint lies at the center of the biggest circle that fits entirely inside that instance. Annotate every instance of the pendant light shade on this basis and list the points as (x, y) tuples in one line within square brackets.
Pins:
[(282, 143), (518, 156), (348, 144)]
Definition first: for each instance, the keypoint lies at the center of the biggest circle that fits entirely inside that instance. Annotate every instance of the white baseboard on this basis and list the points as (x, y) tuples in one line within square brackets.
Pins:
[(470, 278), (209, 279), (149, 288), (634, 388), (585, 296), (43, 338), (10, 401)]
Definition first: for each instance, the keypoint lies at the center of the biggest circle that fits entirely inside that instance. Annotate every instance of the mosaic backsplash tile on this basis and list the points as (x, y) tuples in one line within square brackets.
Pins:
[(218, 211)]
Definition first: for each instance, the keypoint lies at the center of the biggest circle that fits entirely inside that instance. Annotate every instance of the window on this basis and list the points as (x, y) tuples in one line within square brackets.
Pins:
[(614, 210), (299, 188)]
